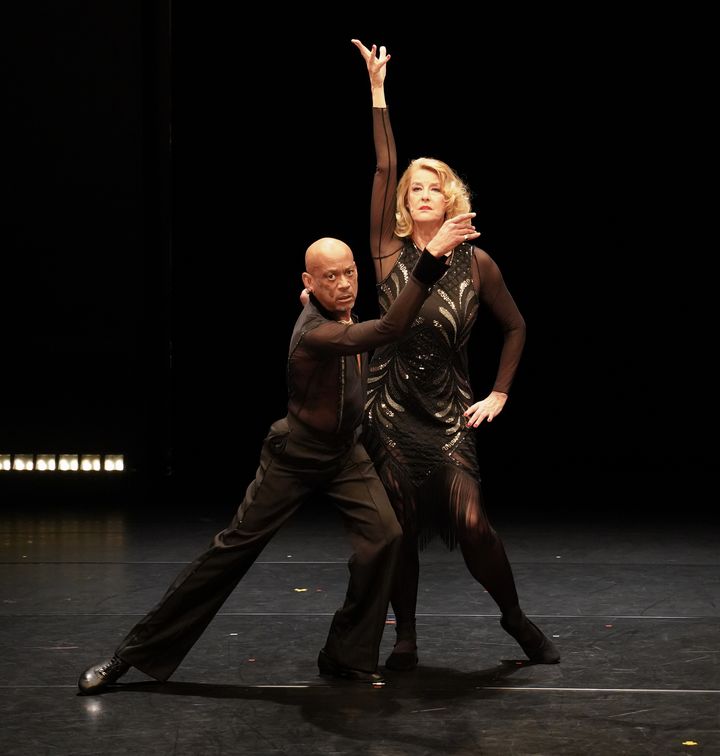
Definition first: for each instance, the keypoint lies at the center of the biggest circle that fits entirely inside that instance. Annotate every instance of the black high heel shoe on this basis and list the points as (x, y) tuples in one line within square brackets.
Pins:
[(536, 645), (404, 661)]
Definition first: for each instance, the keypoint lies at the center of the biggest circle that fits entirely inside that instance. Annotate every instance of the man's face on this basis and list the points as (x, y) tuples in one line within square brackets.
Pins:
[(333, 278)]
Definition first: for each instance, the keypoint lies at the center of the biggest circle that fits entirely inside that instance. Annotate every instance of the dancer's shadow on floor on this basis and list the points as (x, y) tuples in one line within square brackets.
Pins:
[(343, 707), (424, 682)]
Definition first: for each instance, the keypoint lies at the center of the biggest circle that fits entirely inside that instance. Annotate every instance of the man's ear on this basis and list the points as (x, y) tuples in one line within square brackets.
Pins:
[(307, 279)]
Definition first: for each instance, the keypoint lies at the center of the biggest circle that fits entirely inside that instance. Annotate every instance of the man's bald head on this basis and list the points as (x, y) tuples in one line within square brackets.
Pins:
[(330, 274), (326, 251)]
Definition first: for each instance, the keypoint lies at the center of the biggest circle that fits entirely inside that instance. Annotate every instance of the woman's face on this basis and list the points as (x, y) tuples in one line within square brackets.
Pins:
[(425, 199)]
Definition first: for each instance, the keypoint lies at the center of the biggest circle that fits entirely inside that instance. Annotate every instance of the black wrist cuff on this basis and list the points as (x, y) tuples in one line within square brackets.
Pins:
[(429, 269)]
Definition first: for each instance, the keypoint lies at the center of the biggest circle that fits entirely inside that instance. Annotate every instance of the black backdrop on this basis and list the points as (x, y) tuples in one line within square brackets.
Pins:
[(149, 290)]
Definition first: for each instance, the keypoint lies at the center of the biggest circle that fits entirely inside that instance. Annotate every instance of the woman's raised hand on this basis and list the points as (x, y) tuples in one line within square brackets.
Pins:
[(375, 63)]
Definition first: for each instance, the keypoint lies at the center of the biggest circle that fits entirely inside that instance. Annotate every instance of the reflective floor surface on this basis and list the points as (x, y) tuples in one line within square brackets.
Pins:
[(632, 603)]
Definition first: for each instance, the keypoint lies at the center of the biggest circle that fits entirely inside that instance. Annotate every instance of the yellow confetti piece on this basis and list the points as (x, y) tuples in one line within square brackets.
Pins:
[(300, 590), (690, 742)]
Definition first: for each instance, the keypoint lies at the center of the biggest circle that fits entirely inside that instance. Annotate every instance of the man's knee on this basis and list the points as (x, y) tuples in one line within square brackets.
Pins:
[(394, 534), (388, 534)]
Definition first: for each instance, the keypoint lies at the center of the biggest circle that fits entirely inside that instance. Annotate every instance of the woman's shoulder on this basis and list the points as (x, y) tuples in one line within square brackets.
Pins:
[(482, 258)]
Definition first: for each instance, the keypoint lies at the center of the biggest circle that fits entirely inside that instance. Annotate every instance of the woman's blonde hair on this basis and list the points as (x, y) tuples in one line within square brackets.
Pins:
[(456, 193)]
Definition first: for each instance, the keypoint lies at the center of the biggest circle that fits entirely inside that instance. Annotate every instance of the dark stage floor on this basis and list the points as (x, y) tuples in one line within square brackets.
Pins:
[(634, 608)]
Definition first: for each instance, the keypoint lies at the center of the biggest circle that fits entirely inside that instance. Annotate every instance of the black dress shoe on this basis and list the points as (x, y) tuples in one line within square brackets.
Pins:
[(101, 675), (538, 648), (328, 666)]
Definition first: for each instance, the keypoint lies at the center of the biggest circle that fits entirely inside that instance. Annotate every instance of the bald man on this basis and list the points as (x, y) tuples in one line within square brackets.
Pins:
[(314, 450)]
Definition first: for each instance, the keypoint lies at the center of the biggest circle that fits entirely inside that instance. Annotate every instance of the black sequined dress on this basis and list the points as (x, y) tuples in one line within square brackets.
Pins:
[(419, 387)]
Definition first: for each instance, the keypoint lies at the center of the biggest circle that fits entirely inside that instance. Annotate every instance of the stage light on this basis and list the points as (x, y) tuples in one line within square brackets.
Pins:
[(63, 462), (68, 462), (114, 463), (23, 462), (45, 462), (90, 463)]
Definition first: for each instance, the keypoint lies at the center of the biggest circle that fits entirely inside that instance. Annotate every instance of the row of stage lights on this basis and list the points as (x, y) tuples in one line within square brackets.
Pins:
[(62, 462)]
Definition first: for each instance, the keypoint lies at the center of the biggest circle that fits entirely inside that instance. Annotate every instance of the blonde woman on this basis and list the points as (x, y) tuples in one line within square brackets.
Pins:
[(420, 411)]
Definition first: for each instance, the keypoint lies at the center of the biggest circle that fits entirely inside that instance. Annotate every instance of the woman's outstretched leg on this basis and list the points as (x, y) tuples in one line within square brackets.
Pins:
[(485, 557)]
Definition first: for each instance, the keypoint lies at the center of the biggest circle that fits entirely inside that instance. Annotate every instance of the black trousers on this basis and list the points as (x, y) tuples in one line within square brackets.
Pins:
[(294, 465)]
